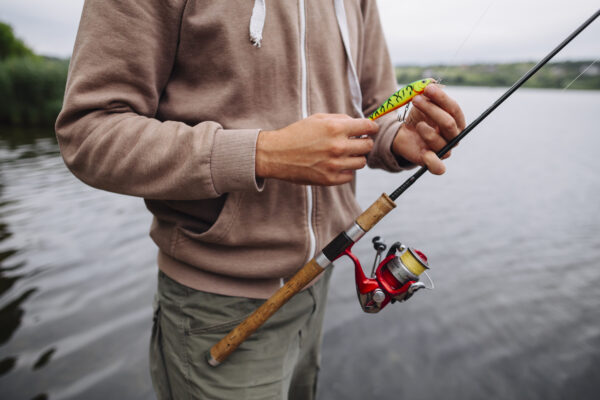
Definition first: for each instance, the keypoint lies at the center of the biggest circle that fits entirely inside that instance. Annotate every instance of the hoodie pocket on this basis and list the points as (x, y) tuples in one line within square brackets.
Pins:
[(219, 229), (256, 235)]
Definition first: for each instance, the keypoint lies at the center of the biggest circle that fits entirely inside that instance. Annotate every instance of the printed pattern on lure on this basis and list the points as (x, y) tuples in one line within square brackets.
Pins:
[(401, 97)]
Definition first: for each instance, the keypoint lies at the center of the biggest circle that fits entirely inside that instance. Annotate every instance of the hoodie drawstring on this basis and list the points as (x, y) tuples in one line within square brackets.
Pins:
[(353, 82), (257, 23)]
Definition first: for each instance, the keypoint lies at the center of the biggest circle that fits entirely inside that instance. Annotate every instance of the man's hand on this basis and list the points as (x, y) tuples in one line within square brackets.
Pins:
[(323, 149), (434, 120)]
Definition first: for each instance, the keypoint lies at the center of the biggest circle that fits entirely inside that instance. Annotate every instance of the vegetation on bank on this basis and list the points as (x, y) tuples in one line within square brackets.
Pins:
[(31, 86), (554, 75)]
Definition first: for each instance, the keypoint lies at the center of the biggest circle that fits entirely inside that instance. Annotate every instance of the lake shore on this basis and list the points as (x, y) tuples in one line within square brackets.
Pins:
[(579, 75)]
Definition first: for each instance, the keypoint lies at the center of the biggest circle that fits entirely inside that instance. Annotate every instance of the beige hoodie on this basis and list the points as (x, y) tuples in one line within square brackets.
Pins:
[(165, 100)]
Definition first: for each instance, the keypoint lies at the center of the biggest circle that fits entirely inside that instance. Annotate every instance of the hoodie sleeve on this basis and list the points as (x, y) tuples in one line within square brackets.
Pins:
[(378, 82), (107, 130)]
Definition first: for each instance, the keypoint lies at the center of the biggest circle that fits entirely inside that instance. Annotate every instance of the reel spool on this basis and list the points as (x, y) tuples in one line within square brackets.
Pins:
[(396, 278)]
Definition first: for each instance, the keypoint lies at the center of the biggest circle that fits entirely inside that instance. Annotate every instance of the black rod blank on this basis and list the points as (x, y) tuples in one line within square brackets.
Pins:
[(408, 183)]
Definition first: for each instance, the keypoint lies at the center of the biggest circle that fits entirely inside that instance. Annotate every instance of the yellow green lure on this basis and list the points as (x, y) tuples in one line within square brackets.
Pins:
[(401, 97)]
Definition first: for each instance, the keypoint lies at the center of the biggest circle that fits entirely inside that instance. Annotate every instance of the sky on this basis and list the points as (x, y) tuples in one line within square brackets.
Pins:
[(418, 32)]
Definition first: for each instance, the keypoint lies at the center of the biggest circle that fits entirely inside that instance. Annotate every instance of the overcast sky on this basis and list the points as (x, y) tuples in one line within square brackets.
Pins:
[(417, 31)]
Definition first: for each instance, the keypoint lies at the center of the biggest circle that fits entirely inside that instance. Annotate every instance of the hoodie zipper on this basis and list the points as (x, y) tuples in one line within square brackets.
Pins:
[(309, 191)]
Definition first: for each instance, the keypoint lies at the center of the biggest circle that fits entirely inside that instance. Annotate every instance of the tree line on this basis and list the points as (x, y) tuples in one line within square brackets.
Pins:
[(557, 75)]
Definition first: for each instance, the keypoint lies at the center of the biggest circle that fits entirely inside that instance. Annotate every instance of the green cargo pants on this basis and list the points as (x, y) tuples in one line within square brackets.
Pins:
[(279, 361)]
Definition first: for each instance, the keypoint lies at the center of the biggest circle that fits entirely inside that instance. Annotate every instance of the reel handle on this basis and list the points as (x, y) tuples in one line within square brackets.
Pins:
[(378, 244)]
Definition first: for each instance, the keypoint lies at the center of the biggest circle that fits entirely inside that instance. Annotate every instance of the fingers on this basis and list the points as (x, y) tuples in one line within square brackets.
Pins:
[(349, 143), (354, 127), (347, 164), (441, 98), (442, 111), (434, 141), (430, 136), (415, 115), (358, 146), (441, 119), (323, 149), (432, 123), (342, 177), (433, 163), (339, 171), (345, 125), (344, 169)]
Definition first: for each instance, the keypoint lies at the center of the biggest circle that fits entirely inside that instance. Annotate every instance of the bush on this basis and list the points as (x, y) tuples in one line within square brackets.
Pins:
[(31, 87), (10, 46), (31, 90)]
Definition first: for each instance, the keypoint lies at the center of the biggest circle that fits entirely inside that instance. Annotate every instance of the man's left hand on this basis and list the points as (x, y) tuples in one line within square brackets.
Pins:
[(434, 120)]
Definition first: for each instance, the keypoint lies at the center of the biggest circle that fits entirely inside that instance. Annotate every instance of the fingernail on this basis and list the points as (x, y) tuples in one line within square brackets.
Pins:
[(431, 89)]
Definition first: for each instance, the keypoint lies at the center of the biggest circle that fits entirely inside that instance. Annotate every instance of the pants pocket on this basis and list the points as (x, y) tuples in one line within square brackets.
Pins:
[(223, 327), (214, 313), (158, 370)]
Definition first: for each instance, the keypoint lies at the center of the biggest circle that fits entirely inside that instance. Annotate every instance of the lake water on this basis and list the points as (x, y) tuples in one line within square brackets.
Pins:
[(512, 232)]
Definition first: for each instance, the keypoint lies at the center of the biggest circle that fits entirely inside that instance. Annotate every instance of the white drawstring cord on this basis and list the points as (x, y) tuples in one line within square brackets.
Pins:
[(354, 83), (257, 22)]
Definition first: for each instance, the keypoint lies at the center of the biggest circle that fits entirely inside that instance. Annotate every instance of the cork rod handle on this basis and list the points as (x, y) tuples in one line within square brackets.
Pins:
[(375, 213), (220, 351)]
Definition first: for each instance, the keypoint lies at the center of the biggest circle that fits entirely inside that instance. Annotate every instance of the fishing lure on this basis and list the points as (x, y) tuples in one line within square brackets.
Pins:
[(401, 97)]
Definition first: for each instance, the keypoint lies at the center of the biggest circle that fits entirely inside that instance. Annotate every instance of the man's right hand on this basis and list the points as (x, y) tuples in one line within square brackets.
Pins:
[(323, 149)]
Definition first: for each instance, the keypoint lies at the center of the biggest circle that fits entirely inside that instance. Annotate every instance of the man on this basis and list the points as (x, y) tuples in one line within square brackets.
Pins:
[(245, 151)]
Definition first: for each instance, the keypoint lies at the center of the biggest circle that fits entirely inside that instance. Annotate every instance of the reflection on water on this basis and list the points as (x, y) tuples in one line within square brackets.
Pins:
[(44, 359), (7, 364), (511, 232), (77, 275), (11, 316)]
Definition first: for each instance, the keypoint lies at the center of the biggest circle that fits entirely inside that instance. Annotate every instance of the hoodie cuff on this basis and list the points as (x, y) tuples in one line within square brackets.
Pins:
[(232, 162), (382, 155)]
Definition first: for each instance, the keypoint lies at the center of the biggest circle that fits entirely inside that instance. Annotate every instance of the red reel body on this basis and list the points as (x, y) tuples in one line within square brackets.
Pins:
[(396, 277)]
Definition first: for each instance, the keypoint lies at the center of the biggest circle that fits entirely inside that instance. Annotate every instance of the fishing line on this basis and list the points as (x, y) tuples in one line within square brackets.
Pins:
[(584, 71), (402, 114), (408, 183), (453, 58)]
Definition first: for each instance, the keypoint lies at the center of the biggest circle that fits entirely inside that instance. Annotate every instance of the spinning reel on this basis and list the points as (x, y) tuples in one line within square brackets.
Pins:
[(395, 278)]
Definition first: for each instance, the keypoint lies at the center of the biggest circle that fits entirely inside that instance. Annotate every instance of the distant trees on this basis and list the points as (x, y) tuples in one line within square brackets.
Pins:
[(11, 46), (554, 75), (31, 86)]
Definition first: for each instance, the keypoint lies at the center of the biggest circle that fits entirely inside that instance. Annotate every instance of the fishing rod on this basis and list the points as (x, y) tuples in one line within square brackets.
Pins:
[(396, 278)]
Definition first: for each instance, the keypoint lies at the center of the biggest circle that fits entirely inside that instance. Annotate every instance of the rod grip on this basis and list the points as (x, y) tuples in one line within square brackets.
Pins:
[(372, 215), (220, 351)]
